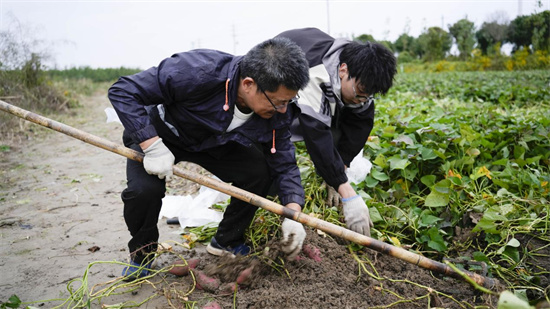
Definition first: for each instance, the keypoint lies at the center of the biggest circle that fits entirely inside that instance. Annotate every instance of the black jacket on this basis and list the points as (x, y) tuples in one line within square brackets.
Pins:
[(334, 134)]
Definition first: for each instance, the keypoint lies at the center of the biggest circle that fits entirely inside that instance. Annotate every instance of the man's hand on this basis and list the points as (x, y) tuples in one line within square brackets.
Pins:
[(356, 214), (293, 238), (333, 197), (158, 160)]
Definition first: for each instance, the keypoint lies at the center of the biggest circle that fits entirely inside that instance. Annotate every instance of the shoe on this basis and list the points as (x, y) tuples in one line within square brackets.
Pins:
[(136, 271), (216, 249)]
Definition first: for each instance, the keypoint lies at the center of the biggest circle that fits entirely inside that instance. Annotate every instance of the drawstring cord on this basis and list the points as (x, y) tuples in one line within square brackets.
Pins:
[(226, 105), (273, 150)]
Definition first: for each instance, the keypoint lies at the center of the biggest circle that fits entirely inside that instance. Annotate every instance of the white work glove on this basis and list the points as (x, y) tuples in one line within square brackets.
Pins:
[(333, 197), (357, 215), (295, 230), (158, 160)]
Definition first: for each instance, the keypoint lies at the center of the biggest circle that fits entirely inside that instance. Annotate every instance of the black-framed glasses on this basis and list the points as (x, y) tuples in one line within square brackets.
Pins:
[(361, 98), (277, 107)]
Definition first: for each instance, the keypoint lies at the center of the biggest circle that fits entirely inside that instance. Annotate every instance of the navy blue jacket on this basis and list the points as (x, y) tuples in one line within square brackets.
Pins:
[(182, 101)]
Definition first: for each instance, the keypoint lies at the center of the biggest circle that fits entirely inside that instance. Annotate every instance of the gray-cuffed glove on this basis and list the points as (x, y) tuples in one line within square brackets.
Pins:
[(333, 197), (356, 214), (158, 160), (296, 230)]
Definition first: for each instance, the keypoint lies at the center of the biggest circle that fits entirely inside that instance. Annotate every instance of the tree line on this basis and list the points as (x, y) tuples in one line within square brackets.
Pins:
[(529, 33)]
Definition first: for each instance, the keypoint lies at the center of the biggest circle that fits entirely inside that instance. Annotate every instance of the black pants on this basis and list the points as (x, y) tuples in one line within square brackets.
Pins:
[(244, 167)]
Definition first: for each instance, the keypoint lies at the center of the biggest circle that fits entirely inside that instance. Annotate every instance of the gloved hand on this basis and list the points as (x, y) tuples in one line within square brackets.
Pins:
[(333, 197), (158, 160), (356, 214), (294, 230)]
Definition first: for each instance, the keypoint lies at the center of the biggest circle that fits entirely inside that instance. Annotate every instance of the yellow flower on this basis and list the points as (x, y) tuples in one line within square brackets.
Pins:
[(484, 171)]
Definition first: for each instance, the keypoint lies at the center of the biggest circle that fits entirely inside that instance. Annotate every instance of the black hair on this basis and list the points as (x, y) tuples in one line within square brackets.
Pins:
[(373, 65), (276, 62)]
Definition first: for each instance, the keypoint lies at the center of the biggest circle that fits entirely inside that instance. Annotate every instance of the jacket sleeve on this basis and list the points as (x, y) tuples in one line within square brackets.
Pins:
[(355, 129), (129, 96), (176, 79), (323, 153)]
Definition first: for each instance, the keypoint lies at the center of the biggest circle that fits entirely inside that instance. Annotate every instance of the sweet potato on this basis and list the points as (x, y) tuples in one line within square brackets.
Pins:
[(228, 288), (312, 252), (212, 305), (206, 283), (244, 275), (179, 270)]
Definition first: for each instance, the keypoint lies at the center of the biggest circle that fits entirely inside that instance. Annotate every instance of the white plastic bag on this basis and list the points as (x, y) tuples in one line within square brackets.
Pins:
[(359, 169), (112, 116), (195, 211)]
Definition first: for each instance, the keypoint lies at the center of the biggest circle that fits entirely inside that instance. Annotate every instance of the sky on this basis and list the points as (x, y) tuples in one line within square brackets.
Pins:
[(139, 34)]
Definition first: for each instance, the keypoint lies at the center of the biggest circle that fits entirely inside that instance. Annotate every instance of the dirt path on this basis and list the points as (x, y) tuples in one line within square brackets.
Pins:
[(61, 214), (60, 201)]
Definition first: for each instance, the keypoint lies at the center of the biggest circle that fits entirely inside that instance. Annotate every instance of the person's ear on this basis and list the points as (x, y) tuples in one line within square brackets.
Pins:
[(248, 84), (342, 70)]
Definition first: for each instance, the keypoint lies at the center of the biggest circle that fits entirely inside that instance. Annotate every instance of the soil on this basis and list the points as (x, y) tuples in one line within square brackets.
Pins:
[(61, 230)]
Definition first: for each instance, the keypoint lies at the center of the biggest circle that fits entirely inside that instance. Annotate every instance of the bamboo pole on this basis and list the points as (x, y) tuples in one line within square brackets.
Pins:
[(254, 199)]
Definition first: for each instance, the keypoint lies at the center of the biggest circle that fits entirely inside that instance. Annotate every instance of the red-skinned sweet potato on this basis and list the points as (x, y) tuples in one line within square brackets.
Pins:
[(179, 270), (244, 275), (212, 305), (206, 283), (312, 252)]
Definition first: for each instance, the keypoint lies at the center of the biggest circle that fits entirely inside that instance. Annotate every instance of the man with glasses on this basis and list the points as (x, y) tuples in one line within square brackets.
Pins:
[(229, 114), (338, 110)]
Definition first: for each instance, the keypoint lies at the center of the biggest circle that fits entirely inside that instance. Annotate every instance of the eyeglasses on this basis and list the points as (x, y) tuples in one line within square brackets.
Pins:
[(277, 107), (361, 98)]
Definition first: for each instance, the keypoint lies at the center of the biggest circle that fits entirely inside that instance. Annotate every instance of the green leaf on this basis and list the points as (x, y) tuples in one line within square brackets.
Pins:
[(502, 162), (480, 257), (388, 131), (513, 243), (371, 182), (429, 220), (403, 139), (375, 215), (533, 160), (436, 240), (428, 154), (398, 163), (376, 174), (380, 161), (488, 226), (13, 302), (428, 180), (512, 253), (436, 199), (508, 300), (443, 186)]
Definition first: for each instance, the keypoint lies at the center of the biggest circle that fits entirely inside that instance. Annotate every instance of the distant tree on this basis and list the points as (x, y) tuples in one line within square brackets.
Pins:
[(364, 38), (19, 46), (388, 45), (541, 31), (490, 34), (435, 43), (463, 32), (530, 31), (369, 38), (520, 32), (418, 46), (404, 43)]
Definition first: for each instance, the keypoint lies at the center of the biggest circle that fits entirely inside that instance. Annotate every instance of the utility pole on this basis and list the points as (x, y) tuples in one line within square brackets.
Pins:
[(519, 7), (328, 18), (234, 41)]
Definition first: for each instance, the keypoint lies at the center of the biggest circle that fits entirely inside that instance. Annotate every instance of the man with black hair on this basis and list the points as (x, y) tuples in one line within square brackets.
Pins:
[(338, 110), (229, 114)]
